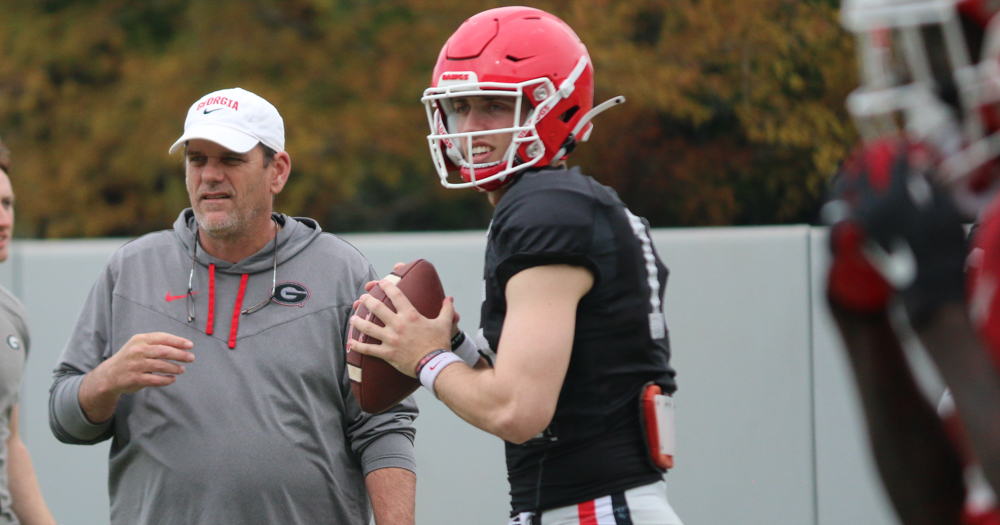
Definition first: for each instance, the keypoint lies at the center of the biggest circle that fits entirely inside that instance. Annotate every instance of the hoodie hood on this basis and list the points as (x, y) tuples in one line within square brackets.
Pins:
[(293, 237), (295, 234)]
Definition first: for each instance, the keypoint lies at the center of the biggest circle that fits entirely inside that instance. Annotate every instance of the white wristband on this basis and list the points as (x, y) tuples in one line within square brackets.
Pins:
[(430, 371), (468, 351)]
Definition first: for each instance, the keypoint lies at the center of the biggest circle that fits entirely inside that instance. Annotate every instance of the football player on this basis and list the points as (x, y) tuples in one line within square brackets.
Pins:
[(571, 364), (927, 109), (21, 498)]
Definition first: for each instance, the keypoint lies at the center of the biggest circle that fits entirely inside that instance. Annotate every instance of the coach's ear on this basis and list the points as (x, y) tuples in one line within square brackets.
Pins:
[(281, 167)]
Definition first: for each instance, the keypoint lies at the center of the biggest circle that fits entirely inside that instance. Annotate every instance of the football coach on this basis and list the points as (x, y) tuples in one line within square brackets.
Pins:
[(212, 354)]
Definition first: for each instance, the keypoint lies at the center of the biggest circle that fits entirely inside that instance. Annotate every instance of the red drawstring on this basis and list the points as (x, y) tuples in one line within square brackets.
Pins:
[(236, 312), (209, 324)]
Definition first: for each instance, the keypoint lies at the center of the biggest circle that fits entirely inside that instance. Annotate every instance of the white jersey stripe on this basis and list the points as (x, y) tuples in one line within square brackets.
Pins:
[(657, 324)]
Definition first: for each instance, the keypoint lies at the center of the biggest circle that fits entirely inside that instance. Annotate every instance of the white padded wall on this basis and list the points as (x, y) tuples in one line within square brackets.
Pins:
[(768, 426)]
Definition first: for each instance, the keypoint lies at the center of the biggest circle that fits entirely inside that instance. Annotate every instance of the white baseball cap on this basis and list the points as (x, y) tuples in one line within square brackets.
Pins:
[(235, 119)]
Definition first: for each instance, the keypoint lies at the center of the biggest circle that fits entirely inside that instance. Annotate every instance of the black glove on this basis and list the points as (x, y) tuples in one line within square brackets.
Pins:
[(905, 226)]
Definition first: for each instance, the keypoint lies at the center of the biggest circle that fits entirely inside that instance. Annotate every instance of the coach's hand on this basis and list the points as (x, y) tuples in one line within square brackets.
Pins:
[(145, 360), (407, 336)]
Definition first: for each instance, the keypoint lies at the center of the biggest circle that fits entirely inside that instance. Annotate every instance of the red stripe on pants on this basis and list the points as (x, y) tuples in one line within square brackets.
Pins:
[(588, 516)]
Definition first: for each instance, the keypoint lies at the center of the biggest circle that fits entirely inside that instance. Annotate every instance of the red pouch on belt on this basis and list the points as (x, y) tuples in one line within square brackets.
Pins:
[(656, 413)]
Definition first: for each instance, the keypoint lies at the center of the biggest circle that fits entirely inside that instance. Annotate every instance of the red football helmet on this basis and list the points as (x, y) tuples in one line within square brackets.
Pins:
[(517, 52), (932, 67)]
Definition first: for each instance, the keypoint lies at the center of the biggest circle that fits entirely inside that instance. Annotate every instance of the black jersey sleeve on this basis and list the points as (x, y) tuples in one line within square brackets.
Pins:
[(543, 224)]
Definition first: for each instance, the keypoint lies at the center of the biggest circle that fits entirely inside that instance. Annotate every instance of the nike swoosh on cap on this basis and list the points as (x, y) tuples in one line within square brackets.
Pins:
[(213, 111)]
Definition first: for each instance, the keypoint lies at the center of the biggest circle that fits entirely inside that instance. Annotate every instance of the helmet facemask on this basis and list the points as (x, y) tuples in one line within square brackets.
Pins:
[(921, 73), (453, 148)]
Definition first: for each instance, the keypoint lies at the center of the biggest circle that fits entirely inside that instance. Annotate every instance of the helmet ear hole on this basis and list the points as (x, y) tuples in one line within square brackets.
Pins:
[(568, 114)]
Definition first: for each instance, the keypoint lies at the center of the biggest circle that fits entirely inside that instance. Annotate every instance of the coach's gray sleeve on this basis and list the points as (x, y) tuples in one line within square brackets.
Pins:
[(386, 439), (66, 417), (382, 440), (86, 349)]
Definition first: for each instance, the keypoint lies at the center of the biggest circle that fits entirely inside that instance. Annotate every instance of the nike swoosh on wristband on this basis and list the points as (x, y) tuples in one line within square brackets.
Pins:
[(213, 111), (898, 265), (176, 297)]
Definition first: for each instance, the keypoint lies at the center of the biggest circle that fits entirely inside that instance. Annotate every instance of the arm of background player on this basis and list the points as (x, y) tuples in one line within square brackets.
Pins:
[(393, 493), (920, 468), (517, 399), (972, 377), (26, 496)]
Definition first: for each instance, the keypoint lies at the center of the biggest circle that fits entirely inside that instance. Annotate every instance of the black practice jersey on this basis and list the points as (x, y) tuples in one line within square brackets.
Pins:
[(594, 445)]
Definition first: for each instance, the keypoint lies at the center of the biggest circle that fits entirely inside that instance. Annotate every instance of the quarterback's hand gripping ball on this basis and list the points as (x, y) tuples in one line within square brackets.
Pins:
[(376, 384)]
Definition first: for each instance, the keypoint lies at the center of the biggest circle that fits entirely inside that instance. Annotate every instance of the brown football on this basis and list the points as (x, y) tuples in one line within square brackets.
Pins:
[(375, 383)]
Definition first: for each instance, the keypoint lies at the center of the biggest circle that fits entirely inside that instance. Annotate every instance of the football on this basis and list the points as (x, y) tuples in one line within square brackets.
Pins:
[(376, 384)]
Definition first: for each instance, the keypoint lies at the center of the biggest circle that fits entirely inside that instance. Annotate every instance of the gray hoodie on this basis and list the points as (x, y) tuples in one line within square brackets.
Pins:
[(262, 427)]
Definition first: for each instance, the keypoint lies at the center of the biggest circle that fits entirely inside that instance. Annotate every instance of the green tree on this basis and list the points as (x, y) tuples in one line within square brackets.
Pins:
[(734, 114)]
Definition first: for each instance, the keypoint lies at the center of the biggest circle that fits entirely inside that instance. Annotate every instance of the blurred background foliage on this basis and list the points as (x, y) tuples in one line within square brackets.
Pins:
[(734, 115)]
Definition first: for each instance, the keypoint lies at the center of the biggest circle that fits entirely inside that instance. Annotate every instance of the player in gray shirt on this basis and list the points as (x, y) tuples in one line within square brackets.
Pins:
[(212, 354), (20, 498)]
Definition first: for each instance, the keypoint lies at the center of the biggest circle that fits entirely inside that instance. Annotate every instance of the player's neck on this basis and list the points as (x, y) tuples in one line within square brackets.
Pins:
[(238, 246), (494, 196)]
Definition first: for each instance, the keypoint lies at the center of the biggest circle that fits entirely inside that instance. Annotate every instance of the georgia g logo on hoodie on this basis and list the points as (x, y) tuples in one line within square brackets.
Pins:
[(290, 293)]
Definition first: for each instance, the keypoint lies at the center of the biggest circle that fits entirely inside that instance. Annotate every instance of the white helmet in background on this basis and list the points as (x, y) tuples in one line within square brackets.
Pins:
[(931, 70)]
